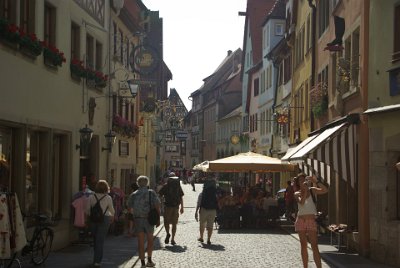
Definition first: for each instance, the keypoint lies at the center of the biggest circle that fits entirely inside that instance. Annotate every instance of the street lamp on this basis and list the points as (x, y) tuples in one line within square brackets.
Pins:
[(85, 137), (110, 140)]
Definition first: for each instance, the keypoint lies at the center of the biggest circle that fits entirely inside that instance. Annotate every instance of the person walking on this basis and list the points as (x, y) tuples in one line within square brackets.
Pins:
[(305, 223), (207, 204), (139, 205), (173, 195), (100, 228), (131, 222), (192, 180)]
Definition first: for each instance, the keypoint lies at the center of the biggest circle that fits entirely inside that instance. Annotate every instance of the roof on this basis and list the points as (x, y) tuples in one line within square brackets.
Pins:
[(223, 72), (233, 113), (278, 11)]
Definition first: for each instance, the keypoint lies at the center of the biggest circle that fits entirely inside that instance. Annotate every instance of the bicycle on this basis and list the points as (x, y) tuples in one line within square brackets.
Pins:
[(38, 247)]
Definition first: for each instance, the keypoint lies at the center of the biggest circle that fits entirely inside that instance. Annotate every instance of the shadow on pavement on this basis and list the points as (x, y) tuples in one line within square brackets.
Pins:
[(214, 247), (176, 248)]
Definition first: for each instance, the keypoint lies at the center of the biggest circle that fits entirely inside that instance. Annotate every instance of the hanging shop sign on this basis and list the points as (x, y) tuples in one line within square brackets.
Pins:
[(144, 59), (235, 139)]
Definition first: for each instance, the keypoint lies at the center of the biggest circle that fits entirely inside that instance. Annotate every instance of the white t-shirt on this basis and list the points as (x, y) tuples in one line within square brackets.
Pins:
[(105, 203)]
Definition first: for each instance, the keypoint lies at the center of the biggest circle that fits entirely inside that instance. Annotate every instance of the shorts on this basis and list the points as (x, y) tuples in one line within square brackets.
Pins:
[(207, 217), (305, 224), (142, 226), (171, 215)]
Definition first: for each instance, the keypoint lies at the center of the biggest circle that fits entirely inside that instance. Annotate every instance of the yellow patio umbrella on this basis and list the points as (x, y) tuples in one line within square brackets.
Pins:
[(250, 162)]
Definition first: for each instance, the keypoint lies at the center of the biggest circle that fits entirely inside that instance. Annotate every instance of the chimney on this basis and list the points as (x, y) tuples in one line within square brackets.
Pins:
[(229, 52)]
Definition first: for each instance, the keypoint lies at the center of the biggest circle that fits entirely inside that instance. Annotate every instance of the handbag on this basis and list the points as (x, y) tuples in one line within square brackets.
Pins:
[(153, 217)]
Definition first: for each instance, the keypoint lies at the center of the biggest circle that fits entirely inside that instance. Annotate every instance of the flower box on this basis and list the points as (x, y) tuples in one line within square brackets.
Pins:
[(97, 78), (124, 127), (9, 32), (30, 45), (52, 55), (77, 69)]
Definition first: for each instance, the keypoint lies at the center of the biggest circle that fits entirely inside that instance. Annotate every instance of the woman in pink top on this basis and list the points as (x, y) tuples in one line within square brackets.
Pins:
[(305, 223)]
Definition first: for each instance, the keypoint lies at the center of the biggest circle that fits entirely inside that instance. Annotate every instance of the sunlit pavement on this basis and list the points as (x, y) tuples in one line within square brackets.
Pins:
[(274, 247), (240, 248)]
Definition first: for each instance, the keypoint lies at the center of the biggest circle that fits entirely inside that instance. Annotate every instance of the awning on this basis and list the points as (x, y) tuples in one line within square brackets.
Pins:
[(328, 152), (293, 150)]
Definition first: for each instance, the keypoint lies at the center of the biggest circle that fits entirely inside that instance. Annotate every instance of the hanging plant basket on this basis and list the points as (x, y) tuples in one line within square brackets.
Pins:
[(320, 108)]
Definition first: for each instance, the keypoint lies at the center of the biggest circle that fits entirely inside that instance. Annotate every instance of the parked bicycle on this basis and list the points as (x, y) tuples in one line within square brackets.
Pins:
[(38, 247)]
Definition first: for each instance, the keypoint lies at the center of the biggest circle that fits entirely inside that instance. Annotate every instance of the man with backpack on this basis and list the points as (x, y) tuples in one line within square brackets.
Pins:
[(207, 204), (173, 196)]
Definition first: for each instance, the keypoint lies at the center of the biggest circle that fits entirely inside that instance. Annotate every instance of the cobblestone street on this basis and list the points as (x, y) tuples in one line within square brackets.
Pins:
[(239, 248)]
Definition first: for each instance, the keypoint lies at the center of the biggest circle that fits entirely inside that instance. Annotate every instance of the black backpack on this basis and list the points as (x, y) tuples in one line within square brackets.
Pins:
[(96, 213), (173, 196), (209, 198)]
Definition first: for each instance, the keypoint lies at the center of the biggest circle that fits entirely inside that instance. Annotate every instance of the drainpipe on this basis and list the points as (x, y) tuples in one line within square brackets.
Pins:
[(313, 49)]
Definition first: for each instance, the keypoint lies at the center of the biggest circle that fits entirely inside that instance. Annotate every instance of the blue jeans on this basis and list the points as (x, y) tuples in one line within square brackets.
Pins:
[(100, 231)]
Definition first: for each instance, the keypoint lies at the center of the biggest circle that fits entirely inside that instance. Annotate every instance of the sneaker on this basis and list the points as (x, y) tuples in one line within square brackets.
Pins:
[(200, 240), (167, 239), (208, 242), (173, 242), (150, 264)]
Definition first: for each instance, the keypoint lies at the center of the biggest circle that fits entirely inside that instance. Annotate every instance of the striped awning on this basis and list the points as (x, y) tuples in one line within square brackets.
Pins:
[(332, 150)]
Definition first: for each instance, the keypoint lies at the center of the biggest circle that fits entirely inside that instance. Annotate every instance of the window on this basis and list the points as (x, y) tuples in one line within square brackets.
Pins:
[(262, 81), (75, 41), (121, 46), (99, 56), (267, 37), (60, 144), (287, 69), (115, 38), (279, 29), (396, 35), (90, 51), (8, 10), (50, 24), (323, 16), (27, 16), (34, 171), (256, 87)]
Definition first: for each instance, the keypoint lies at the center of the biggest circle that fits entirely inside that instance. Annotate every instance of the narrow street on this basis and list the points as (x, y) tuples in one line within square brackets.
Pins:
[(229, 248)]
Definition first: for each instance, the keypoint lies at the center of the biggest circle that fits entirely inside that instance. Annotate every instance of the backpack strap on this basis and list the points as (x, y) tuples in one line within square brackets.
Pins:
[(98, 200)]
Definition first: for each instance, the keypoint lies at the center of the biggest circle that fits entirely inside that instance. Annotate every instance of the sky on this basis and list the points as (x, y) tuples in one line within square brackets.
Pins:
[(197, 37)]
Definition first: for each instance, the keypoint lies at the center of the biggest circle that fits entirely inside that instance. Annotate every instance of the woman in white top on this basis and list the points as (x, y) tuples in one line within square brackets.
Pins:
[(305, 223), (100, 229)]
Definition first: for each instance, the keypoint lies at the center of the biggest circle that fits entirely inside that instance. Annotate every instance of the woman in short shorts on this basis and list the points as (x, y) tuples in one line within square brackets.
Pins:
[(305, 224)]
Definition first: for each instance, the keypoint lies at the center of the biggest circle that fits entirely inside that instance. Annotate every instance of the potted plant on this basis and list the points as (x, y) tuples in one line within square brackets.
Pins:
[(99, 78), (319, 99), (52, 55), (30, 44), (77, 69), (9, 32)]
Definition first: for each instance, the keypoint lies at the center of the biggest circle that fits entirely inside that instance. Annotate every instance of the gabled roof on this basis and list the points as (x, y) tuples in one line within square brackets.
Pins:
[(224, 71), (256, 11), (278, 11)]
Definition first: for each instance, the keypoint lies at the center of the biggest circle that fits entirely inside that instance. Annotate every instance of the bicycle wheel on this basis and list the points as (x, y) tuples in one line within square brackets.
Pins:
[(41, 245)]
